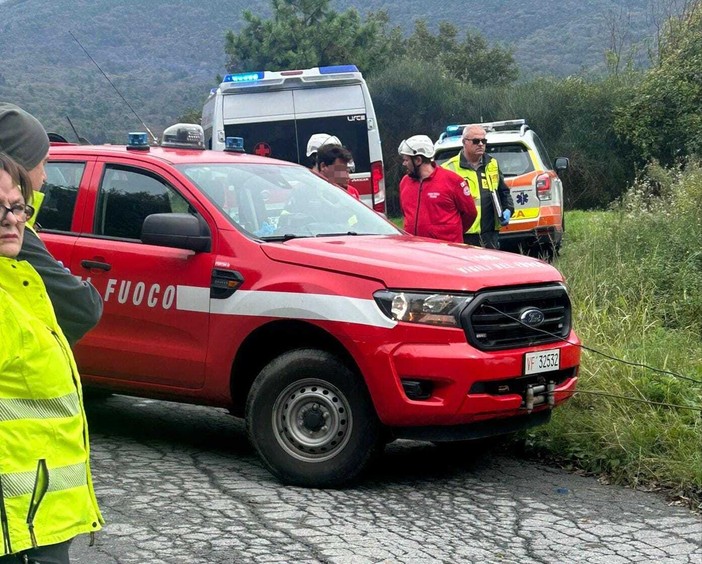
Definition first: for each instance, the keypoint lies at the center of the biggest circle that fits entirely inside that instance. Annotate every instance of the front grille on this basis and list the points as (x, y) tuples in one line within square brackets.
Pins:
[(492, 320)]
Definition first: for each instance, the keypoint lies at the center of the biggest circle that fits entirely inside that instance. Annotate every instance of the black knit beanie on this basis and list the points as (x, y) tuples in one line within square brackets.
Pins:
[(22, 137)]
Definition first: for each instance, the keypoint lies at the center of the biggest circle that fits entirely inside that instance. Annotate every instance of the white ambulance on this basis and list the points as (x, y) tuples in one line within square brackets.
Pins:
[(276, 113)]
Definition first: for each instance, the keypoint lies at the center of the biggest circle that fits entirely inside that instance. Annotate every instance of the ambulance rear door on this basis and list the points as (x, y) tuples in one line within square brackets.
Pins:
[(278, 123)]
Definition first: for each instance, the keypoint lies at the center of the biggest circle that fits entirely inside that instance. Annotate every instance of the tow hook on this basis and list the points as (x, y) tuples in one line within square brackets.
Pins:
[(538, 394)]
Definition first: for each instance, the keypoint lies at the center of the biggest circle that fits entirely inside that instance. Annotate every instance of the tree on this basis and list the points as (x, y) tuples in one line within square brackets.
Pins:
[(471, 61), (190, 115), (307, 33), (663, 120), (414, 97)]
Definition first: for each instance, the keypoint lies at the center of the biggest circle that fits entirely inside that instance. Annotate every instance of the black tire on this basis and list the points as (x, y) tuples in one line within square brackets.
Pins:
[(335, 431), (95, 394), (544, 250)]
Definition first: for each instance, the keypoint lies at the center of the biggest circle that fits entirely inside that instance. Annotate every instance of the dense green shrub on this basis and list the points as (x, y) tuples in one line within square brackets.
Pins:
[(660, 219), (411, 98), (635, 277), (663, 120), (574, 117)]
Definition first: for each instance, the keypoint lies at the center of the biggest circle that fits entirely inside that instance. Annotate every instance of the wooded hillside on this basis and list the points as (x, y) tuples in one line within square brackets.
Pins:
[(164, 55)]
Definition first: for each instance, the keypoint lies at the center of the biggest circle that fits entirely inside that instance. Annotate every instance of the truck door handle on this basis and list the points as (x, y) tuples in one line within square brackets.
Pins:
[(90, 264)]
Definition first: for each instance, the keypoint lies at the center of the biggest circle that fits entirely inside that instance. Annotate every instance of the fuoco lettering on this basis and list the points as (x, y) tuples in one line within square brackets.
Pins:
[(128, 292)]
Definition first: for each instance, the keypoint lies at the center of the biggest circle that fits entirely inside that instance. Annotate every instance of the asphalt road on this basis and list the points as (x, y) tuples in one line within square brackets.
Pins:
[(180, 484)]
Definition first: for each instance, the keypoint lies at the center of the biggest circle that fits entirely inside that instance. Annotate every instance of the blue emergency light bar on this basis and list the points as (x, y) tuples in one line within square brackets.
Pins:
[(247, 77), (452, 130), (338, 68), (235, 144), (244, 77), (138, 140)]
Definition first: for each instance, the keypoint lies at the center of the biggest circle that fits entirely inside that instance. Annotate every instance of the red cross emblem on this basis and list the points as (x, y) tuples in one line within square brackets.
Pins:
[(262, 149)]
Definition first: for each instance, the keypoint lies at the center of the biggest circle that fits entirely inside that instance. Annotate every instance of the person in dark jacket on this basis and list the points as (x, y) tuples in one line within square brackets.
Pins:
[(77, 304), (487, 185)]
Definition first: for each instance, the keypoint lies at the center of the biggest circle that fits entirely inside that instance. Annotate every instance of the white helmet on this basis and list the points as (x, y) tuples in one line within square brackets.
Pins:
[(417, 145), (318, 140)]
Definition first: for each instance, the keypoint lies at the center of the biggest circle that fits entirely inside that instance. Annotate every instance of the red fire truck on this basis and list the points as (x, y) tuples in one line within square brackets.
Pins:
[(248, 283)]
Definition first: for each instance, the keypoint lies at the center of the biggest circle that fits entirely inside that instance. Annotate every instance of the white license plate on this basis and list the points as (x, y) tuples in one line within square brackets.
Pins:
[(542, 361)]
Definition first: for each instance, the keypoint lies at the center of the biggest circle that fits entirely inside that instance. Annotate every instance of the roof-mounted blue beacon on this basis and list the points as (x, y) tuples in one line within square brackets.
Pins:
[(138, 140), (234, 144)]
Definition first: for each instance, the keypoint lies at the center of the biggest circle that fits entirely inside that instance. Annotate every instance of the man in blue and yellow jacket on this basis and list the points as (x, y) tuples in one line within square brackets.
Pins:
[(487, 186), (46, 491)]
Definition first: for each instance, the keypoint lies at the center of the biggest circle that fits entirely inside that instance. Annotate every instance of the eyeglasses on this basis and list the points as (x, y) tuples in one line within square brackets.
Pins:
[(21, 211), (477, 141)]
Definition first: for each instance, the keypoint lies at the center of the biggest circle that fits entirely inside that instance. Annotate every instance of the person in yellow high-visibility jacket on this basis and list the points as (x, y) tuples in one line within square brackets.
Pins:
[(46, 491), (482, 173)]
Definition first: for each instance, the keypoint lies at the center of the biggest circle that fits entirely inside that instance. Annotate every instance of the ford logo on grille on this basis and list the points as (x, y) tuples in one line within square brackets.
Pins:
[(532, 317)]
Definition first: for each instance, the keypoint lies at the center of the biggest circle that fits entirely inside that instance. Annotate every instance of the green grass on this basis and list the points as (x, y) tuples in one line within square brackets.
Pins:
[(635, 278)]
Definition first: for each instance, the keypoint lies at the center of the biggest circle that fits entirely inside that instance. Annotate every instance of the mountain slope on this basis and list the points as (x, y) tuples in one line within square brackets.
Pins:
[(163, 55)]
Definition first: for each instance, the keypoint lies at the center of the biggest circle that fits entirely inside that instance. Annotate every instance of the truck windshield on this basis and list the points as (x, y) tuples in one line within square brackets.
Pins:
[(273, 202)]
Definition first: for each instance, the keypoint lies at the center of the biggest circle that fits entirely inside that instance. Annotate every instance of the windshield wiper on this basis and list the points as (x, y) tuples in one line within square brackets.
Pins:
[(338, 234), (285, 237)]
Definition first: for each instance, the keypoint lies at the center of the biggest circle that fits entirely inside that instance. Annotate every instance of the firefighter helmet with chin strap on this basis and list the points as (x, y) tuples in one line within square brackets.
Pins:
[(417, 145)]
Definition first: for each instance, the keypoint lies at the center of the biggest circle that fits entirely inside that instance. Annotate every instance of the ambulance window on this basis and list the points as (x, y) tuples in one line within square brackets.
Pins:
[(513, 158), (60, 192), (287, 139), (351, 129), (127, 196), (543, 153), (268, 139), (442, 156)]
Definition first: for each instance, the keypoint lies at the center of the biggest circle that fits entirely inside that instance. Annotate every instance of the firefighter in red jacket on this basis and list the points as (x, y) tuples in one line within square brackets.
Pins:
[(435, 202)]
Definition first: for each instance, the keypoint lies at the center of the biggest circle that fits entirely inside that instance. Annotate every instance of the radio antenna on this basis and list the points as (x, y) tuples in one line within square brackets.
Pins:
[(113, 86), (73, 128)]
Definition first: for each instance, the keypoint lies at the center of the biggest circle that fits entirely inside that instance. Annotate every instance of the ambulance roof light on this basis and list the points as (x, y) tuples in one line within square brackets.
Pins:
[(338, 68), (454, 130), (258, 76), (234, 144), (184, 136), (244, 77), (138, 140)]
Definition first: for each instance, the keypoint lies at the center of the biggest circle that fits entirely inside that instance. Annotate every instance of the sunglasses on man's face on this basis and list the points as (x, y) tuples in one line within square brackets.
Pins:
[(477, 141)]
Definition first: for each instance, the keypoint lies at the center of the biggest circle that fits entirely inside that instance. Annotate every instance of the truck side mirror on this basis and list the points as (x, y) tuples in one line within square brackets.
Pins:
[(561, 164), (178, 230)]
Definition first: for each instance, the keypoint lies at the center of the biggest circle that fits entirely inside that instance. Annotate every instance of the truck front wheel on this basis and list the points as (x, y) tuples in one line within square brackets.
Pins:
[(311, 420)]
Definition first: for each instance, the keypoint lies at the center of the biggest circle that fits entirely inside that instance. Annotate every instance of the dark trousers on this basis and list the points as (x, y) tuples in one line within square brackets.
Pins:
[(50, 554), (488, 239)]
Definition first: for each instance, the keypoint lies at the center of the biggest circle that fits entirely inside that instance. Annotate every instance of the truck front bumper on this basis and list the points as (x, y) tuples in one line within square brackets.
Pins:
[(454, 385)]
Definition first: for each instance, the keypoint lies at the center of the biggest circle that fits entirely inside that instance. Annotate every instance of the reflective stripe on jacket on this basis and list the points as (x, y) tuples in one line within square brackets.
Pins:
[(490, 176), (46, 492)]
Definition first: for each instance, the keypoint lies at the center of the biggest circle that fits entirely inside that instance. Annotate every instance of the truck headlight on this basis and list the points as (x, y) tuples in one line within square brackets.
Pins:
[(417, 307)]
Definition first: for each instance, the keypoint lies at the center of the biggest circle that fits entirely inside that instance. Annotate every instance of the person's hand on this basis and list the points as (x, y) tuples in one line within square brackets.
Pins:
[(506, 214), (64, 267)]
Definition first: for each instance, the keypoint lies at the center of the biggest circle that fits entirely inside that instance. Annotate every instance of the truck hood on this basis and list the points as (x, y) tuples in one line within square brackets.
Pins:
[(407, 262)]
